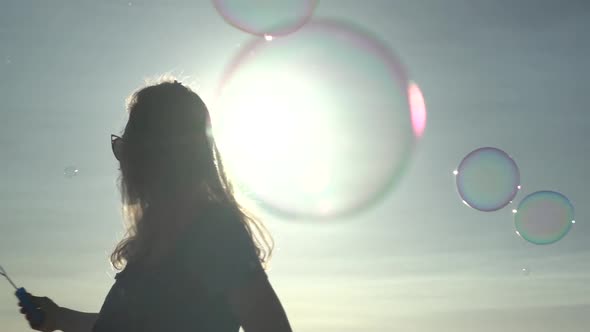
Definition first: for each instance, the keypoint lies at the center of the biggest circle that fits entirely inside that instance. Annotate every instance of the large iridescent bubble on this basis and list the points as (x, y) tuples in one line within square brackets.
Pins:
[(266, 17), (487, 179), (315, 124), (544, 217)]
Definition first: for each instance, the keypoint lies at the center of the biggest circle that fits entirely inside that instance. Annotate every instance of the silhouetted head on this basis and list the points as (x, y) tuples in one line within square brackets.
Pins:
[(166, 152), (170, 167)]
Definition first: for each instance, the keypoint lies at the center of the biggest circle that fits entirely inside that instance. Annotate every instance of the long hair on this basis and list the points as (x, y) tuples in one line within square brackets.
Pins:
[(169, 163)]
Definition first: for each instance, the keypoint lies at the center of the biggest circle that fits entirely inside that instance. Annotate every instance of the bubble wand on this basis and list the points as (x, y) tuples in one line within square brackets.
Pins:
[(25, 300)]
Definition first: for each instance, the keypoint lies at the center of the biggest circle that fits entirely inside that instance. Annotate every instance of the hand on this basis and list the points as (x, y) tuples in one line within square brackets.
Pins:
[(50, 312)]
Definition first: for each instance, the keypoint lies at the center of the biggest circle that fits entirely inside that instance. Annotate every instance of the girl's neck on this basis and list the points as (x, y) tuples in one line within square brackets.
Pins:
[(167, 224)]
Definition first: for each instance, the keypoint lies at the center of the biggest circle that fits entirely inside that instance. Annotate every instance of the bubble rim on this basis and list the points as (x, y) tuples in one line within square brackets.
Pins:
[(419, 112), (285, 29), (376, 46), (459, 183), (563, 198)]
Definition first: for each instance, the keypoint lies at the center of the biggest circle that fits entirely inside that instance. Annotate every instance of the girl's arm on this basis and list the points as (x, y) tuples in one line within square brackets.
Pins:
[(58, 318), (69, 320), (257, 307)]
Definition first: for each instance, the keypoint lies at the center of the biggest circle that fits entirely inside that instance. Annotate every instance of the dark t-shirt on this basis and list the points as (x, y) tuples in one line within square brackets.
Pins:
[(187, 291)]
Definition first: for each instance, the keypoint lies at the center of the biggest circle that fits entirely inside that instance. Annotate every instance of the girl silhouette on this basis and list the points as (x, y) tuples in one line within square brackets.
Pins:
[(192, 258)]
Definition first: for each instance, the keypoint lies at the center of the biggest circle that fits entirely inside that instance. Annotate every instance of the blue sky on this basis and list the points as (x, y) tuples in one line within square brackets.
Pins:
[(494, 73)]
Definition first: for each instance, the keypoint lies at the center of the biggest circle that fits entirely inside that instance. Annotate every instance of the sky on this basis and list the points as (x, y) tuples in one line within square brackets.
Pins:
[(509, 74)]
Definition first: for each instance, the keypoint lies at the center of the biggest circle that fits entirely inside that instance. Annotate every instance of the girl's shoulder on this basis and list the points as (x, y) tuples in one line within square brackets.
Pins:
[(220, 250)]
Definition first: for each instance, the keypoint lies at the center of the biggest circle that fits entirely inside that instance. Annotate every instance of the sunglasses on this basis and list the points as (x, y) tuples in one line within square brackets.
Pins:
[(117, 146)]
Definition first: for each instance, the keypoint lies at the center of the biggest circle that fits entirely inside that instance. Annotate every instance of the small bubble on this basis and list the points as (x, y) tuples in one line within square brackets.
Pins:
[(455, 172), (487, 179), (71, 171), (514, 210), (525, 271), (544, 217), (256, 17), (268, 37)]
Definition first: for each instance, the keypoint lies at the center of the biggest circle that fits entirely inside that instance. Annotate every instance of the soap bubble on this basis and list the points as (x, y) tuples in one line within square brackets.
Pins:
[(544, 217), (315, 124), (264, 17), (71, 171), (487, 179)]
